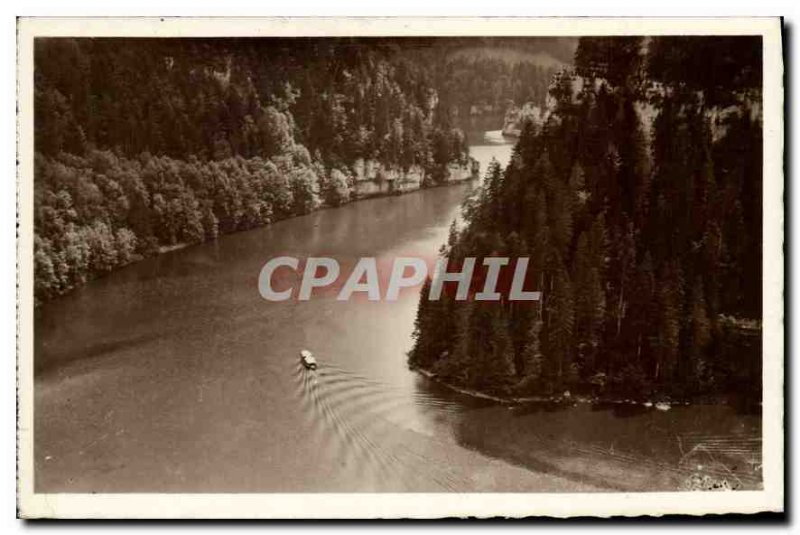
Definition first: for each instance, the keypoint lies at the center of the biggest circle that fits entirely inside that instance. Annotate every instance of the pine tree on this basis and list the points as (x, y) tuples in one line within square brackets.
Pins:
[(493, 187), (420, 354), (532, 357), (590, 303), (699, 334), (434, 329), (499, 364), (668, 339), (561, 322)]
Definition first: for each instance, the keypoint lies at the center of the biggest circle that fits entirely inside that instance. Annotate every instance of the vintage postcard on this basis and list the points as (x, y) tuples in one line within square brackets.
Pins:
[(400, 268)]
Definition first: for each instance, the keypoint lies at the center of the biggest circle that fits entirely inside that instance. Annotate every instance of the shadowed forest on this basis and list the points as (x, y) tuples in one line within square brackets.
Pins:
[(637, 197)]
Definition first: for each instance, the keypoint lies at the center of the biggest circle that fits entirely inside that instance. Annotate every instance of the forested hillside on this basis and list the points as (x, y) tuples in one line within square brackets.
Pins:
[(638, 201), (491, 84), (144, 144)]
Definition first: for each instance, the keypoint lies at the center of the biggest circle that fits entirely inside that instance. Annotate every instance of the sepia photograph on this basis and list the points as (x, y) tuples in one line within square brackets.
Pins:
[(428, 264)]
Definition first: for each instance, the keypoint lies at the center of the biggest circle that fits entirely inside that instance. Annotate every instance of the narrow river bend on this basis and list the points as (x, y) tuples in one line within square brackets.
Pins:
[(173, 374)]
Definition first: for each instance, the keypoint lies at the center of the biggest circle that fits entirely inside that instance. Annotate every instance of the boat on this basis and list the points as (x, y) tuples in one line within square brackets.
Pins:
[(308, 359)]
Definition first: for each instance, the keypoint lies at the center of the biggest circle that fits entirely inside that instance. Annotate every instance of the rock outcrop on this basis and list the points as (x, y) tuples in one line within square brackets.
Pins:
[(373, 178)]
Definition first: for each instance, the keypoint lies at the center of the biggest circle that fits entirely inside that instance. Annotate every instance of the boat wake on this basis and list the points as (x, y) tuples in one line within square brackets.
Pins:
[(373, 427)]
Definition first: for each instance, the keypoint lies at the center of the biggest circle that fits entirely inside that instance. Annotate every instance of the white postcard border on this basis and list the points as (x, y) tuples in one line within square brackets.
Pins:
[(413, 505)]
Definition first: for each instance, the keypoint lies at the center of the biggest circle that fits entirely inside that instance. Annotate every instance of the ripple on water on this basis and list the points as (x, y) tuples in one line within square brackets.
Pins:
[(366, 426)]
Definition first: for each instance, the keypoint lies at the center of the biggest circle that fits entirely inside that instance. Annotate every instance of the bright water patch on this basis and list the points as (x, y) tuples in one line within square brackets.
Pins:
[(496, 137)]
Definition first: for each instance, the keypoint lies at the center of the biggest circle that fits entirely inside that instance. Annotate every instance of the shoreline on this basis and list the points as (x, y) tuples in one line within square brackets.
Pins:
[(165, 249), (565, 398)]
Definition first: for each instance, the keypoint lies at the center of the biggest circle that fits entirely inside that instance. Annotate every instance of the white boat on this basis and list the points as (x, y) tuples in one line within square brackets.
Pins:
[(308, 359)]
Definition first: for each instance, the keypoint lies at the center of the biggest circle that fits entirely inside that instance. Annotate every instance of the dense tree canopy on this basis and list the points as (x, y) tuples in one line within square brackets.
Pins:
[(143, 144), (639, 205)]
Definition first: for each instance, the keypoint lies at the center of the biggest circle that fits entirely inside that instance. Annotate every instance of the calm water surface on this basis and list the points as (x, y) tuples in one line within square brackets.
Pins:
[(175, 375)]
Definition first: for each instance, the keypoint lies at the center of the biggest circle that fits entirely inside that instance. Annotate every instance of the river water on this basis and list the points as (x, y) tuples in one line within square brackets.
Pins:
[(173, 374)]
